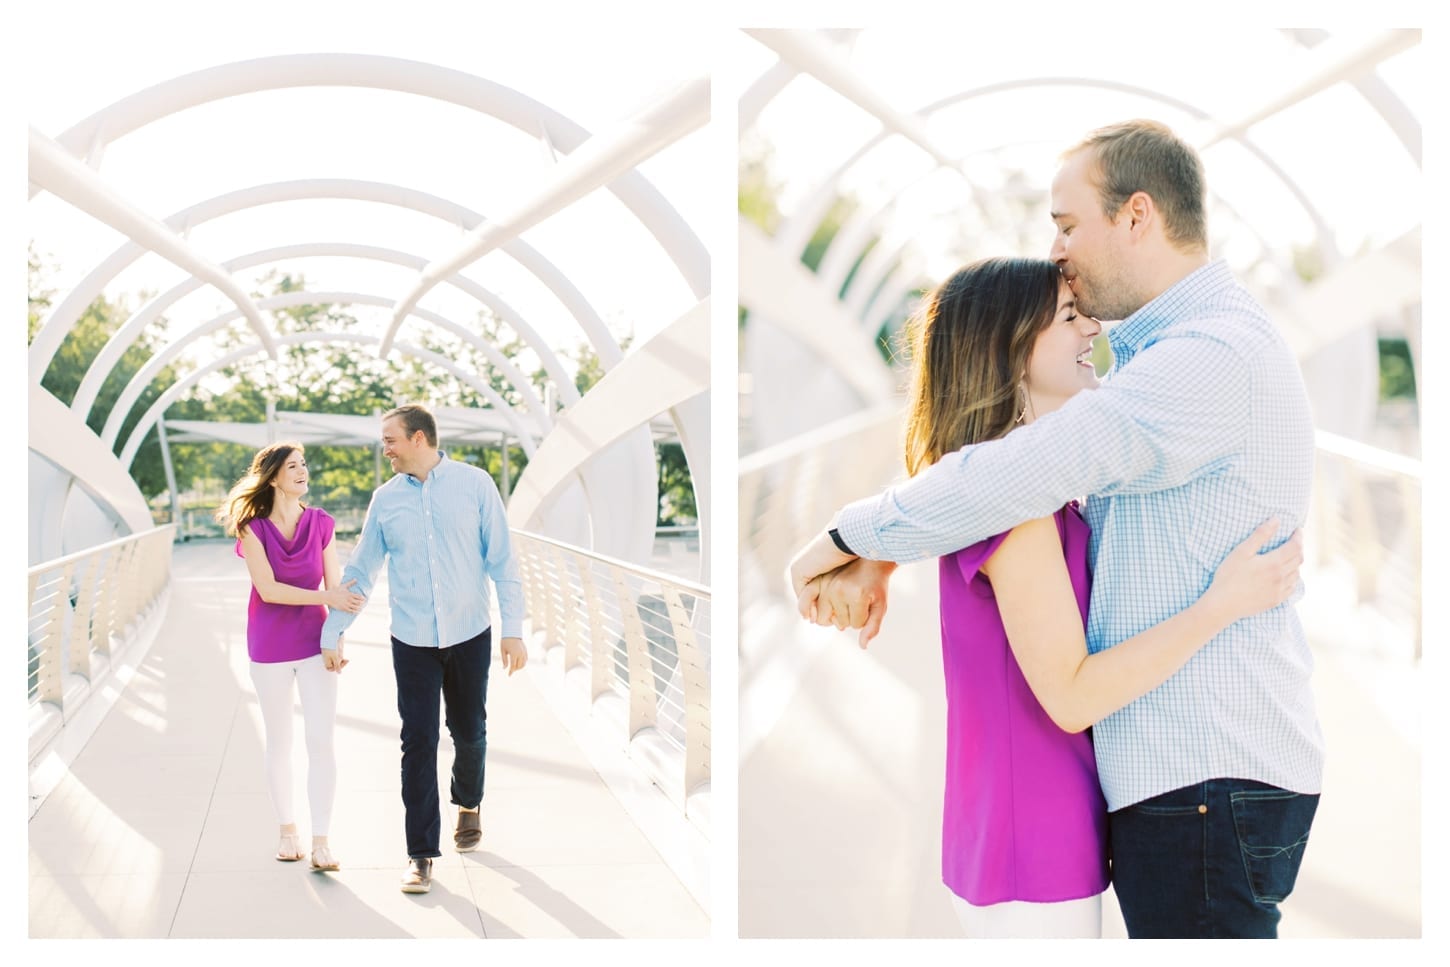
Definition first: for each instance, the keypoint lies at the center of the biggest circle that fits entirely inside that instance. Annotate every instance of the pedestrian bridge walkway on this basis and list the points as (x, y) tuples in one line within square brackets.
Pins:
[(161, 825)]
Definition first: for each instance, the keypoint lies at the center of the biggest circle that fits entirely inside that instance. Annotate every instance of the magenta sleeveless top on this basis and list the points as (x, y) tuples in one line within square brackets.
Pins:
[(1024, 817), (288, 632)]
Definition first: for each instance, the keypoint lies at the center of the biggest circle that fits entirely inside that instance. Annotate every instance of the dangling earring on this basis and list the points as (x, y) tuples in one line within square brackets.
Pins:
[(1022, 389)]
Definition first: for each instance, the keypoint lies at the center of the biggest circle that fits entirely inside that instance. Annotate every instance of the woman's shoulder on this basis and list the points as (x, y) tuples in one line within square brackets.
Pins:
[(320, 524)]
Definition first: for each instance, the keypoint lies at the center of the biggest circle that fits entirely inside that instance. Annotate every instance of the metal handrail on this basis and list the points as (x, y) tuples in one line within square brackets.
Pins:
[(641, 635), (1366, 514), (83, 610)]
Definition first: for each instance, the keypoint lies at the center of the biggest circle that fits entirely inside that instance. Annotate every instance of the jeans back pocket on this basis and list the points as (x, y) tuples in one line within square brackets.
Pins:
[(1273, 828)]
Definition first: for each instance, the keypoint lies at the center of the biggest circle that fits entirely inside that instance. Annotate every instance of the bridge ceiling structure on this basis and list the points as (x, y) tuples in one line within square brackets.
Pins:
[(430, 188), (876, 161)]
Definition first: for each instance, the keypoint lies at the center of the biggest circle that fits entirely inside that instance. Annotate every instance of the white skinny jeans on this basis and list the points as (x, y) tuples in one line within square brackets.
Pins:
[(1018, 919), (318, 689)]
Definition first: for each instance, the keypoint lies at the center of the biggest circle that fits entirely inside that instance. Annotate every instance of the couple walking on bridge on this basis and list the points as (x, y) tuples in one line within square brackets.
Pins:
[(441, 527)]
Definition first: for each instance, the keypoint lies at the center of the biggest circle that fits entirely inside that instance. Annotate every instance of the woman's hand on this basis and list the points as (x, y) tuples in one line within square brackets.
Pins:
[(344, 599), (816, 558), (854, 596), (332, 659), (1248, 582)]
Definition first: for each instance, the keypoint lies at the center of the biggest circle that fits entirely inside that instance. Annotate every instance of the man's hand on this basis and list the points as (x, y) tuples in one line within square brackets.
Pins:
[(514, 654), (332, 659), (854, 596), (816, 558)]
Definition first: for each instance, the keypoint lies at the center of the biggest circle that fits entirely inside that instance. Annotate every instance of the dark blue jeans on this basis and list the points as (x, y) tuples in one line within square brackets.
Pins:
[(460, 674), (1213, 859)]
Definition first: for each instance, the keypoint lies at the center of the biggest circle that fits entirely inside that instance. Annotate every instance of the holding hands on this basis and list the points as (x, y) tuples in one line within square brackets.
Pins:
[(332, 658)]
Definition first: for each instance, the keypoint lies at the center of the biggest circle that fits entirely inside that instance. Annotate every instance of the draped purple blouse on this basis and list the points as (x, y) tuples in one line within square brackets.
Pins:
[(1024, 817), (288, 632)]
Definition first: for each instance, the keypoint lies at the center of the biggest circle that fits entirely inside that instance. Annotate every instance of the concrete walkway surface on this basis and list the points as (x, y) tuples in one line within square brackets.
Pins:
[(162, 827)]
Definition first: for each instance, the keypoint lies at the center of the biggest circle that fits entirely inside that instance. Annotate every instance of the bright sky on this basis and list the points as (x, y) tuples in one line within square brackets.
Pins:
[(595, 74)]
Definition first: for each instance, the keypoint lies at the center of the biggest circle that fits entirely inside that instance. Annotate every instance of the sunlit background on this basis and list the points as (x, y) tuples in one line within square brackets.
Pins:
[(873, 163)]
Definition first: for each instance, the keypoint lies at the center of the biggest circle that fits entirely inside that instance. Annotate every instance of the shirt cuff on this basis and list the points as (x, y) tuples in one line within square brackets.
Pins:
[(854, 524)]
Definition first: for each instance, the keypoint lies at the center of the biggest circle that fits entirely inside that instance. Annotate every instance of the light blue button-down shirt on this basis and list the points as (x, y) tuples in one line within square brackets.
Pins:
[(443, 538), (1201, 432)]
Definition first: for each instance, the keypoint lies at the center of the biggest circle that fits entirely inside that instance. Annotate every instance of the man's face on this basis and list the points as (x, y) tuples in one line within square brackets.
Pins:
[(402, 453), (1090, 247)]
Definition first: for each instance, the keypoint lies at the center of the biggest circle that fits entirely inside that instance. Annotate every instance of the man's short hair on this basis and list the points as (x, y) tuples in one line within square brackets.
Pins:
[(1147, 156), (415, 417)]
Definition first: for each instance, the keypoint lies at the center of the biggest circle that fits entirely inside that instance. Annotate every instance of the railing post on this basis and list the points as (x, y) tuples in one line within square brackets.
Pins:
[(52, 669), (643, 707), (568, 612), (105, 616), (696, 673), (546, 591), (599, 645), (81, 629)]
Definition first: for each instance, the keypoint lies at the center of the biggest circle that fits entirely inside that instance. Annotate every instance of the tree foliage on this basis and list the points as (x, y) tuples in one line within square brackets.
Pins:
[(340, 377)]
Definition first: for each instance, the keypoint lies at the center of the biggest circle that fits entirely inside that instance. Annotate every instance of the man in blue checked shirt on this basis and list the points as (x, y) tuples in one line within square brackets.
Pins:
[(441, 526), (1201, 432)]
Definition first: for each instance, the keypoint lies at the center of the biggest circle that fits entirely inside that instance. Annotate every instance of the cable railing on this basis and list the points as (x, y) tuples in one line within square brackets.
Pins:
[(1366, 519), (640, 636), (789, 491), (84, 609)]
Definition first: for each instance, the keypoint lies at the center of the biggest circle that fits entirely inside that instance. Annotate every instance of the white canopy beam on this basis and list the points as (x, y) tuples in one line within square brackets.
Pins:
[(69, 179), (377, 72), (58, 323), (669, 369), (598, 162), (147, 373), (810, 53), (1337, 59), (174, 392), (126, 336), (62, 438)]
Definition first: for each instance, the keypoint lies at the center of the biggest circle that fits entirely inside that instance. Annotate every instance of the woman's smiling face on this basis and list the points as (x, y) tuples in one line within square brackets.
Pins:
[(1061, 361)]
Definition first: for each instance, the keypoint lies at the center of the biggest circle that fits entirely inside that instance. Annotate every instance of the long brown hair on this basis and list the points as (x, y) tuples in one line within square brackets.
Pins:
[(969, 347), (252, 496)]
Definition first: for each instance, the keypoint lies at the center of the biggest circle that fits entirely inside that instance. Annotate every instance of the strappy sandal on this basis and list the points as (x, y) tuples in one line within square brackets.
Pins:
[(289, 848), (322, 861)]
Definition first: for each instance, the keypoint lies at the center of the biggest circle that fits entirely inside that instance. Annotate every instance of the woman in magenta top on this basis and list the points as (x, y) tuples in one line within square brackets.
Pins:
[(1024, 825), (290, 556)]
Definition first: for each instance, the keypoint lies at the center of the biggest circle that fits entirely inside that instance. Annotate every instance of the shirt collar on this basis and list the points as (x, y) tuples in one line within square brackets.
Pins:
[(443, 462), (1134, 332)]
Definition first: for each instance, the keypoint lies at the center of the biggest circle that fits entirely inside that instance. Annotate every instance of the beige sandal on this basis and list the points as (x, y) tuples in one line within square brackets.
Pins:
[(289, 848), (322, 861)]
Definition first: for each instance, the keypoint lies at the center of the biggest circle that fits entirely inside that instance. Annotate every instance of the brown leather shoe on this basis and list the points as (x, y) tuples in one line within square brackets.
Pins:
[(419, 878), (468, 833)]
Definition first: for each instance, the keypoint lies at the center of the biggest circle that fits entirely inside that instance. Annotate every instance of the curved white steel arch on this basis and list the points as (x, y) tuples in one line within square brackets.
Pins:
[(599, 161), (809, 215), (470, 91), (147, 373), (57, 436), (786, 292), (126, 336), (76, 184), (669, 369), (159, 407), (58, 323)]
